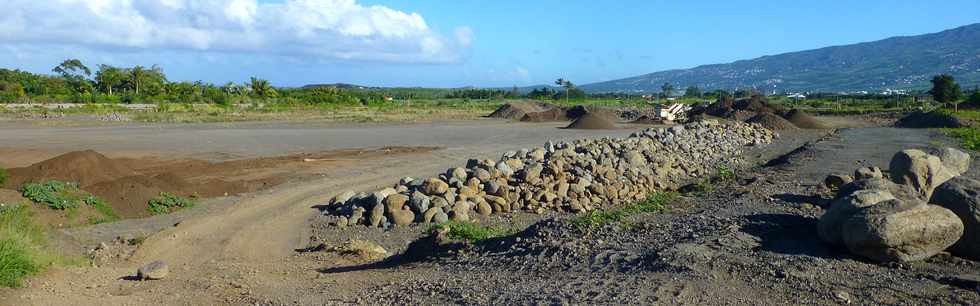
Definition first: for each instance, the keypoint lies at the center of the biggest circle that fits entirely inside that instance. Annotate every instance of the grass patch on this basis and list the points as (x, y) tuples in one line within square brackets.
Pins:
[(969, 137), (656, 202), (20, 245), (3, 177), (100, 205), (166, 203), (473, 232)]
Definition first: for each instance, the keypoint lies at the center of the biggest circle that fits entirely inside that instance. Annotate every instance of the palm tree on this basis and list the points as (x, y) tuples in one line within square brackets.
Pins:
[(137, 75), (564, 83), (260, 87)]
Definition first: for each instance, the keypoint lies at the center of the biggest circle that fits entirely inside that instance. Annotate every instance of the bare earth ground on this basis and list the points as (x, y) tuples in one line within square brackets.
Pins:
[(748, 242), (241, 239)]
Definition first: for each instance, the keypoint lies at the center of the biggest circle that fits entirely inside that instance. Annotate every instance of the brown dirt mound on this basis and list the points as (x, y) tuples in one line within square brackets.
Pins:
[(580, 110), (772, 121), (517, 110), (804, 120), (592, 122), (922, 120), (83, 167), (647, 120), (554, 114)]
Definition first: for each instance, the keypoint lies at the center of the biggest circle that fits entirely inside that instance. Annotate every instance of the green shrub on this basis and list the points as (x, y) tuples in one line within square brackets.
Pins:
[(166, 202), (54, 194), (471, 231), (969, 137)]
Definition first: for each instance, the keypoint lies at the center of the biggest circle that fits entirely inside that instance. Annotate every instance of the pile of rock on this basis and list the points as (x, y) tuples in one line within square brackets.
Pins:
[(891, 220), (566, 176)]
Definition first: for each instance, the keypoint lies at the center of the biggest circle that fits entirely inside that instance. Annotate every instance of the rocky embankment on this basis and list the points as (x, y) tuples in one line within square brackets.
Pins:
[(567, 176)]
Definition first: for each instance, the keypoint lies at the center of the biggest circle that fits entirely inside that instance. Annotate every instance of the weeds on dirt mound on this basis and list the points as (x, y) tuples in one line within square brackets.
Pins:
[(166, 202), (657, 202), (472, 232), (3, 176), (100, 205), (55, 194)]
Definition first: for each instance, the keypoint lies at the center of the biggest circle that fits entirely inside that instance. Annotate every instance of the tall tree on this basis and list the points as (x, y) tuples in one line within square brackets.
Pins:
[(109, 77), (567, 85), (692, 92), (667, 89), (137, 75), (75, 73), (945, 90)]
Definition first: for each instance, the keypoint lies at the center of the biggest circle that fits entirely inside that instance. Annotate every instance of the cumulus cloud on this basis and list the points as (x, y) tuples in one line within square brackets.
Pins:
[(325, 29)]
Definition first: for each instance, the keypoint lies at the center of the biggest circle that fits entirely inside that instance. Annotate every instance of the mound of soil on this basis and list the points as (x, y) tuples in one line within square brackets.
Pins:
[(772, 121), (924, 120), (84, 167), (554, 114), (517, 110), (581, 110), (804, 120), (592, 121), (647, 120)]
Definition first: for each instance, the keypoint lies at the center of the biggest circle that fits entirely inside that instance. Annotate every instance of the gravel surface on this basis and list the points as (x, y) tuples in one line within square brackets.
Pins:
[(750, 241)]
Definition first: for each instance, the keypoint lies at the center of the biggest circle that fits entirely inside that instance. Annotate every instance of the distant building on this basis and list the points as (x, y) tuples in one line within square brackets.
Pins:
[(796, 96)]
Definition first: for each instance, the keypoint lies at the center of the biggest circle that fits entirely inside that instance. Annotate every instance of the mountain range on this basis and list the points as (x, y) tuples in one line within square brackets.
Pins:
[(904, 62)]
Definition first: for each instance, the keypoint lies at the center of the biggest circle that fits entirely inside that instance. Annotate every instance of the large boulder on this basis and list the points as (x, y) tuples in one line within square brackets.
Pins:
[(962, 196), (829, 227), (901, 231), (925, 172)]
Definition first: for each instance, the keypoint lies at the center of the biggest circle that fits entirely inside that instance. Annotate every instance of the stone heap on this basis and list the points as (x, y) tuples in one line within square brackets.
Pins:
[(889, 219), (567, 176)]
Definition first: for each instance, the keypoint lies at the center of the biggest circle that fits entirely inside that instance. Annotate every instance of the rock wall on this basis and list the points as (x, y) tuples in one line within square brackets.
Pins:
[(567, 176)]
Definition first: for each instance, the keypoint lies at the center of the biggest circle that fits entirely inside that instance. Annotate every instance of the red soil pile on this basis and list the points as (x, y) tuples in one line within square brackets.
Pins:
[(592, 122), (84, 167)]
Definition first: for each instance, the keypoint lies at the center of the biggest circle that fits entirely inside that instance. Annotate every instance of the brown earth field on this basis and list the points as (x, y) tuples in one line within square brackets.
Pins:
[(749, 241)]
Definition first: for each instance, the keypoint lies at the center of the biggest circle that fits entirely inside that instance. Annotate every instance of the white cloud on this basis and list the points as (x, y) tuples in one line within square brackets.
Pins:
[(325, 29)]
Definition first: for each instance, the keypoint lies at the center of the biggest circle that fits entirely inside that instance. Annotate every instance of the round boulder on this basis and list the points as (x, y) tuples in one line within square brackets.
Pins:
[(901, 231)]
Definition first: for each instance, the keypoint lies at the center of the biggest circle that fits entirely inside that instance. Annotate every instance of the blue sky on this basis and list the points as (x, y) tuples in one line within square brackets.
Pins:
[(445, 43)]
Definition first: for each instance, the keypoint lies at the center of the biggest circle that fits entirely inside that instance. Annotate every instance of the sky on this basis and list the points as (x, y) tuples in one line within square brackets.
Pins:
[(448, 43)]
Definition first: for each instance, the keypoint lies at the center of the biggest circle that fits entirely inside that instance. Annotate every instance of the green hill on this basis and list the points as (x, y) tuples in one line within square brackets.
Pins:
[(906, 62)]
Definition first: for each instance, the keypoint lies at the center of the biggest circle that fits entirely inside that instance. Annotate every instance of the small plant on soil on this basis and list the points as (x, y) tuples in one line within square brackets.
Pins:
[(55, 194), (3, 177), (725, 173), (166, 203), (472, 232), (108, 214), (655, 203)]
